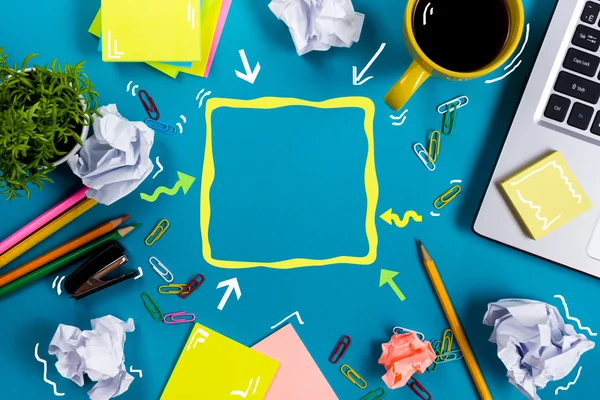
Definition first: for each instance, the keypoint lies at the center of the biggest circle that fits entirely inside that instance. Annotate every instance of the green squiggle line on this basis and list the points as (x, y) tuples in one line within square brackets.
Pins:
[(161, 190)]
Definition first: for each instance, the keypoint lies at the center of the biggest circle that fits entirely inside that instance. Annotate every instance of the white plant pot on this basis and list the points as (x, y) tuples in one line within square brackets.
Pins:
[(84, 134)]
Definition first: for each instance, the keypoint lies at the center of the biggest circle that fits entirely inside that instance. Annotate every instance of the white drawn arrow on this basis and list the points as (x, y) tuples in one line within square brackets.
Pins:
[(232, 284), (356, 80), (249, 76)]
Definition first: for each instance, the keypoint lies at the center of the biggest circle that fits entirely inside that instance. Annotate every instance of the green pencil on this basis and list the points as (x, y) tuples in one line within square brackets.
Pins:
[(65, 260)]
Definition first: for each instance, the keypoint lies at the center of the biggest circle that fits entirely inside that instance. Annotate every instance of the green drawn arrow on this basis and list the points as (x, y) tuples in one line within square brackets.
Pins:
[(388, 277), (185, 182)]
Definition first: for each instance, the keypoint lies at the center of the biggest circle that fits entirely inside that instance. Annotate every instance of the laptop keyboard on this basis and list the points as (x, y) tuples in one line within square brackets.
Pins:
[(577, 88)]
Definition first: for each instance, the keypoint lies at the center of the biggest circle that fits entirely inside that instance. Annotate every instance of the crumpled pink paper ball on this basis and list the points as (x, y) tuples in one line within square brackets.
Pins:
[(404, 355)]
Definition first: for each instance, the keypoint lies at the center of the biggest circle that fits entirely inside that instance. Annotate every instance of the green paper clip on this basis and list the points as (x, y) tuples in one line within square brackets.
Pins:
[(156, 313), (449, 119), (437, 346), (374, 395)]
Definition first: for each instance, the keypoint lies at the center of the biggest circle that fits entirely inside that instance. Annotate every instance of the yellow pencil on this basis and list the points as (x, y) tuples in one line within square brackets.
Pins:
[(46, 231), (459, 334)]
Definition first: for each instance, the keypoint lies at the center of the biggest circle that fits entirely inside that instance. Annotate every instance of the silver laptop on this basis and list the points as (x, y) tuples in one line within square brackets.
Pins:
[(560, 110)]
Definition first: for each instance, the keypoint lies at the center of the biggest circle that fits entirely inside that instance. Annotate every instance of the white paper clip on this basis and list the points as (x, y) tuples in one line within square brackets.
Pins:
[(160, 269), (398, 330), (421, 152), (462, 101)]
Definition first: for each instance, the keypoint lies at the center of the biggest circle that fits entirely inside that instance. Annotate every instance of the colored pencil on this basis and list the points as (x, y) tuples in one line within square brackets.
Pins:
[(47, 231), (61, 251), (42, 220), (457, 330), (65, 260)]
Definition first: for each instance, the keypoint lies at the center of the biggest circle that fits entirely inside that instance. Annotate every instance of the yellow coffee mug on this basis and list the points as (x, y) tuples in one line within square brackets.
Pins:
[(423, 67)]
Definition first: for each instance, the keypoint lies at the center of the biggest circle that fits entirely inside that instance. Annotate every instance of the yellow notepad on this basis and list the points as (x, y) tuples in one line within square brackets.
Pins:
[(212, 366), (546, 195), (151, 30)]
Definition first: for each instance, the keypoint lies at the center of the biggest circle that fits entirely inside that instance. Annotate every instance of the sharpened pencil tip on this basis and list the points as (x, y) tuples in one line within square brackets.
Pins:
[(125, 218), (136, 225)]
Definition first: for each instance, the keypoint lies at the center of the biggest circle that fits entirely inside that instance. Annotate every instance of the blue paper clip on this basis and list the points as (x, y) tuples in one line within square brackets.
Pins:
[(421, 152), (448, 357), (374, 395), (160, 126), (437, 348)]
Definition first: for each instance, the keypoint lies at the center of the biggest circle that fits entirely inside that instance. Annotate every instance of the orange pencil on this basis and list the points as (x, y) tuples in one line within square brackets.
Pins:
[(60, 251)]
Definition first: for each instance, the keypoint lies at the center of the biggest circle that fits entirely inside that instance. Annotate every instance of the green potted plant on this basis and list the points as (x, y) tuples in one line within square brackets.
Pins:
[(45, 115)]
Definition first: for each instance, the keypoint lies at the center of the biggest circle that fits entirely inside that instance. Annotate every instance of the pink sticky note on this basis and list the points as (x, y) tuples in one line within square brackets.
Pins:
[(218, 31), (298, 377)]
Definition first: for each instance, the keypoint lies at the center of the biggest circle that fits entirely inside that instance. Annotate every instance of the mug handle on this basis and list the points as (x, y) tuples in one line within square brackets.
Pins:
[(401, 92)]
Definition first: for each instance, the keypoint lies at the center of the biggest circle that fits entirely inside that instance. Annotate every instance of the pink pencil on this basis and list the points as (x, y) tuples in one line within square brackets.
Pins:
[(42, 220)]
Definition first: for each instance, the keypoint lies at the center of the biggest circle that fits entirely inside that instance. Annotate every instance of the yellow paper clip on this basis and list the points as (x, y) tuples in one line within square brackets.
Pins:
[(353, 376), (172, 288), (447, 197), (435, 141), (421, 152), (158, 231), (447, 341)]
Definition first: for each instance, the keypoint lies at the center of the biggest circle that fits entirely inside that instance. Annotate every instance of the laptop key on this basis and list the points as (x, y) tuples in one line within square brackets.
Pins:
[(586, 38), (580, 116), (578, 87), (596, 124), (590, 12), (557, 108), (579, 61)]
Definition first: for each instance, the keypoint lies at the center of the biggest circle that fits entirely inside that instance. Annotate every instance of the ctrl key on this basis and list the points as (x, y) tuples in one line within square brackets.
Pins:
[(557, 108)]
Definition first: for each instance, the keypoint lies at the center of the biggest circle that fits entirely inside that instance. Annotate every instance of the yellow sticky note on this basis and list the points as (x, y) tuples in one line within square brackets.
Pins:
[(151, 30), (546, 195), (212, 366), (211, 10), (96, 30)]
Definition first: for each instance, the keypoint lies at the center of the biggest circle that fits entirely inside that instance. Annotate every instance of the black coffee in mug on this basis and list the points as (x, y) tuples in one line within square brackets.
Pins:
[(461, 35)]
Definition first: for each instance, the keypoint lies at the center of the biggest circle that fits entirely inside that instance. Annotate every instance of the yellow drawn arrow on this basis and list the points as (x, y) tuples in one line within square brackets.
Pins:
[(390, 217)]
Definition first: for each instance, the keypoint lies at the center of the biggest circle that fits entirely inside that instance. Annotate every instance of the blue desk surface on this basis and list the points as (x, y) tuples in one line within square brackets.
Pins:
[(290, 183)]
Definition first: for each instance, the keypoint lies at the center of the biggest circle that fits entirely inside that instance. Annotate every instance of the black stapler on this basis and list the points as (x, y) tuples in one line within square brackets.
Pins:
[(89, 278)]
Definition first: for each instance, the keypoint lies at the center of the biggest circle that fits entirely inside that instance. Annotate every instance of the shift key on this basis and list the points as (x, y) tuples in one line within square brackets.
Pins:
[(577, 87)]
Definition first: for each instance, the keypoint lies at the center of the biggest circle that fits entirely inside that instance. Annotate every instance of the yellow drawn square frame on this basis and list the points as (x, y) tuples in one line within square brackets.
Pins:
[(371, 184)]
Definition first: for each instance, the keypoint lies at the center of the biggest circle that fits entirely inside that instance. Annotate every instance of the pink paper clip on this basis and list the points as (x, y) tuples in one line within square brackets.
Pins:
[(191, 286), (173, 318)]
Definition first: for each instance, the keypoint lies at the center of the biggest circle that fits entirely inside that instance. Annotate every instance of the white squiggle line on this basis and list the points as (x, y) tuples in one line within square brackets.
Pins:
[(570, 383), (184, 119), (537, 213), (180, 127), (159, 166), (133, 90), (520, 51), (140, 274), (434, 214), (199, 93), (139, 371), (54, 283), (456, 181), (400, 116), (202, 98), (505, 75), (58, 287), (399, 123), (240, 393), (49, 382), (425, 14), (129, 86), (562, 176), (256, 385), (296, 313), (585, 328)]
